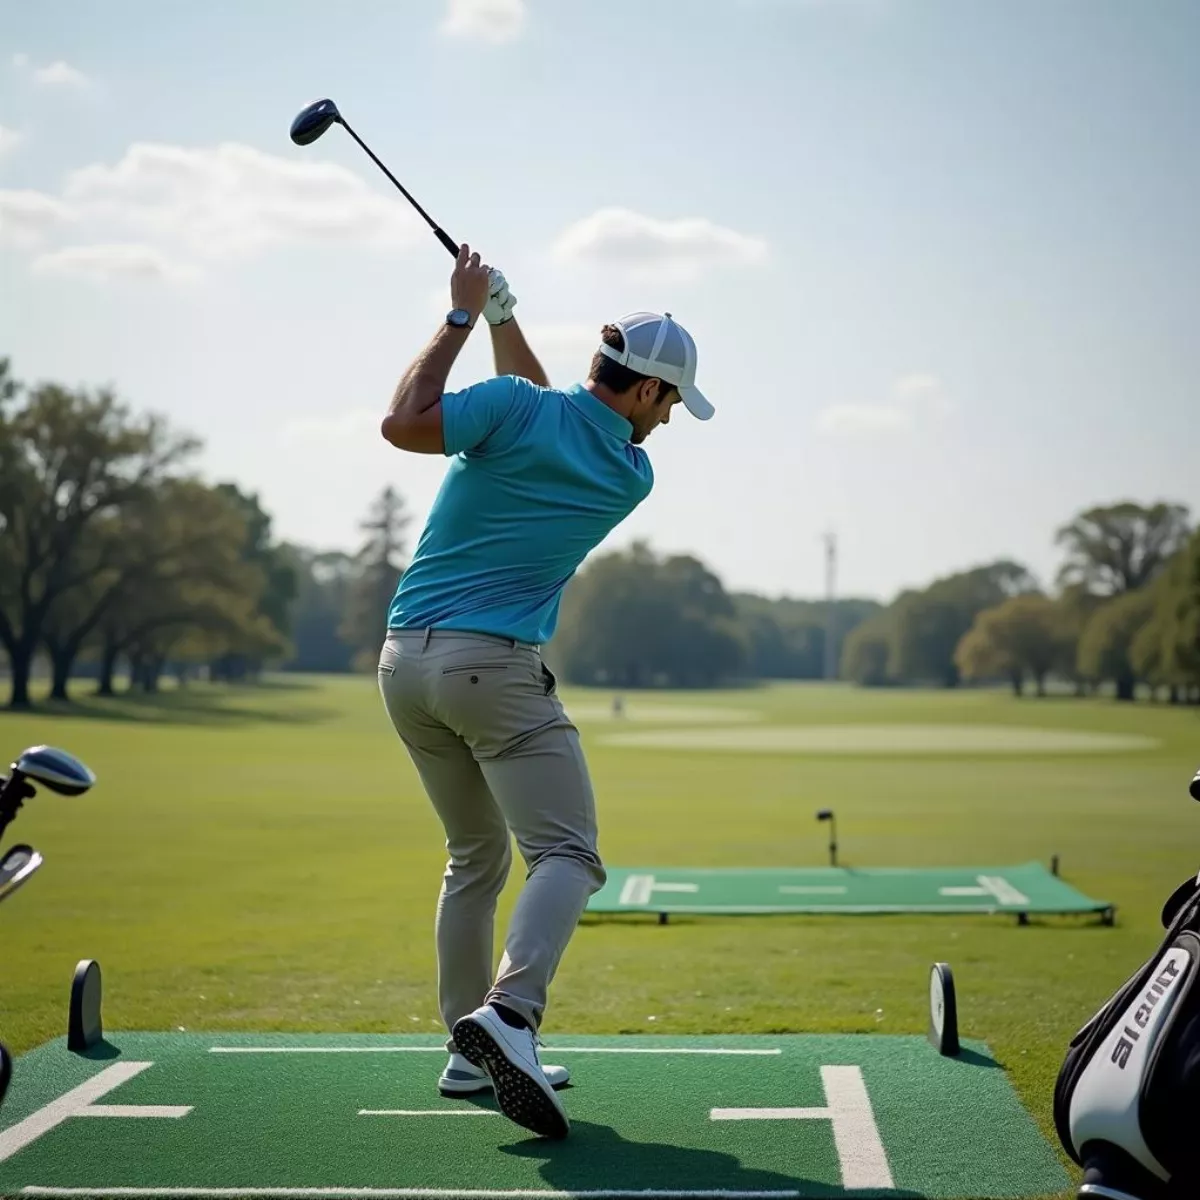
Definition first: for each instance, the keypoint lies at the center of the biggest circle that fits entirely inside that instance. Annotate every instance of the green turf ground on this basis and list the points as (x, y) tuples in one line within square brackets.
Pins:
[(263, 859)]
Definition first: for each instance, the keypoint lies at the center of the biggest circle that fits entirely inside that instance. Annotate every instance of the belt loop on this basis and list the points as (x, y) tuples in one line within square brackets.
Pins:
[(428, 635)]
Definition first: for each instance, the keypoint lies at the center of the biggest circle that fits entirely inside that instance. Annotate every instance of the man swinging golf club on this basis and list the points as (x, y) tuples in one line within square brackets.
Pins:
[(538, 478)]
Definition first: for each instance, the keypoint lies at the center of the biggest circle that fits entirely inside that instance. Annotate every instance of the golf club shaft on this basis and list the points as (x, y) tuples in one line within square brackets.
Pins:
[(13, 791), (441, 234)]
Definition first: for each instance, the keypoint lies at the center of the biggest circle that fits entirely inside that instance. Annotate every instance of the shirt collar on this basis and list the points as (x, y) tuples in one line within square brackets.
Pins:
[(599, 413)]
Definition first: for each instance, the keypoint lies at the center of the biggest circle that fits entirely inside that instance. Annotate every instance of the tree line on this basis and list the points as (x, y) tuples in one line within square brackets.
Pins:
[(117, 559), (1124, 610), (118, 563)]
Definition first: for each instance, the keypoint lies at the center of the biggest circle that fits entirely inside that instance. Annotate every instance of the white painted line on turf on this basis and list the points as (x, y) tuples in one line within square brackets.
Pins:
[(135, 1110), (76, 1103), (639, 889), (860, 1151), (441, 1050), (963, 891), (1004, 891), (428, 1112), (636, 889), (369, 1193), (795, 890), (327, 1049)]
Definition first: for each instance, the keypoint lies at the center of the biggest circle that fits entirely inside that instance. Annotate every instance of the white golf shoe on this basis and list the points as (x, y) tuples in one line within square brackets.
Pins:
[(510, 1057), (462, 1078)]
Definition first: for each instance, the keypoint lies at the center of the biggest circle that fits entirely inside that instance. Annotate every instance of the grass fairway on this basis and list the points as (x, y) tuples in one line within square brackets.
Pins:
[(264, 859)]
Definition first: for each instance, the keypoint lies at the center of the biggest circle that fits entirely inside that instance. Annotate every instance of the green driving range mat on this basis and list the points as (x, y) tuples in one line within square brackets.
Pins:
[(1023, 891), (359, 1115)]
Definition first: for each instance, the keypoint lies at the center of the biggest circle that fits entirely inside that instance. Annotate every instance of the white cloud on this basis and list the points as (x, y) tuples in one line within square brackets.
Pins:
[(917, 398), (685, 247), (10, 139), (233, 200), (60, 74), (26, 217), (863, 419), (493, 21), (115, 260), (55, 74)]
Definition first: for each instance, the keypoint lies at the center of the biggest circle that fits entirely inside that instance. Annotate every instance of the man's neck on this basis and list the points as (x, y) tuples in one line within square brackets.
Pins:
[(608, 397)]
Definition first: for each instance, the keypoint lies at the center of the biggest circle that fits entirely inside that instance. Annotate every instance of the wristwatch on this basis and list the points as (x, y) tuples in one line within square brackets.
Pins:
[(459, 318)]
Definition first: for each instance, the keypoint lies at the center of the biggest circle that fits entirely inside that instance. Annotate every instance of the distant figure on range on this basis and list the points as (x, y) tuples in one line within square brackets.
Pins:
[(538, 478)]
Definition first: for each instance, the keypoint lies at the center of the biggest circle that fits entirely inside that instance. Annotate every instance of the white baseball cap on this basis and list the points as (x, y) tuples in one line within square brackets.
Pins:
[(658, 346)]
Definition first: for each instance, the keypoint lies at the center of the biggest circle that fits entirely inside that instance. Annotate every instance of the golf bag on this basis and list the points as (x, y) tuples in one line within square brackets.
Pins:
[(1127, 1100)]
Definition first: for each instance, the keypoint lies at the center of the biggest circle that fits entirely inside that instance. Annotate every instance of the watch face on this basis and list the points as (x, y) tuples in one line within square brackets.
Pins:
[(459, 316)]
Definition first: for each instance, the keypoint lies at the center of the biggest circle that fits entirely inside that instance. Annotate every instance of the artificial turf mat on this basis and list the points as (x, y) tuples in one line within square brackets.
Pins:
[(665, 1115), (1020, 890)]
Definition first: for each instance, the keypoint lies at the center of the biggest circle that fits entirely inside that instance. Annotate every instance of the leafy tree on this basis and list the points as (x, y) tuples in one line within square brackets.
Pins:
[(866, 652), (1105, 649), (786, 637), (378, 567), (68, 460), (1166, 650), (1019, 638), (927, 626), (1120, 547), (244, 655), (323, 584), (183, 569), (631, 619)]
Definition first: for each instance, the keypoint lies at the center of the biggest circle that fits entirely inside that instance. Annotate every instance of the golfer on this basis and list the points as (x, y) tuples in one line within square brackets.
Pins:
[(538, 477)]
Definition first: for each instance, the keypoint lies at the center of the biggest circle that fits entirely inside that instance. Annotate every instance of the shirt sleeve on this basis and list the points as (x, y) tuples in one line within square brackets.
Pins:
[(471, 416)]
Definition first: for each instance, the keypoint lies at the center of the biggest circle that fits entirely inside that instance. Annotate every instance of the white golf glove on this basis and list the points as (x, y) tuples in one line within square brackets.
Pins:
[(501, 301)]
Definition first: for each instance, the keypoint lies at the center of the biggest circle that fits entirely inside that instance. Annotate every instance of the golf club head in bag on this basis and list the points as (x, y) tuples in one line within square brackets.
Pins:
[(5, 1070), (1129, 1088), (17, 864)]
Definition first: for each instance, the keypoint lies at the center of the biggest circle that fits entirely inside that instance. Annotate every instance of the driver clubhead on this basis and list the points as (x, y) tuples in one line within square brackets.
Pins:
[(55, 769), (17, 865), (312, 121)]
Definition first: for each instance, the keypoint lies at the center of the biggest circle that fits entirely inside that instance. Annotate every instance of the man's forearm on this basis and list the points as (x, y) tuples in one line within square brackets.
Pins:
[(513, 356), (422, 385)]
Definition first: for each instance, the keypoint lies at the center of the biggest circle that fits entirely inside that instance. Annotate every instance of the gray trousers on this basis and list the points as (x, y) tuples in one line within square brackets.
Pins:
[(496, 752)]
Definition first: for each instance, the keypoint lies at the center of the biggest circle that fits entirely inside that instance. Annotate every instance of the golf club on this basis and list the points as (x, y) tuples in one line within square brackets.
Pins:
[(826, 814), (16, 866), (52, 768), (5, 1069), (1194, 786), (314, 120)]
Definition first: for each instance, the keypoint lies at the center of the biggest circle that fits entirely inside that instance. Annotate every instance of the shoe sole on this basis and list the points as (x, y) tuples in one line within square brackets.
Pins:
[(518, 1095)]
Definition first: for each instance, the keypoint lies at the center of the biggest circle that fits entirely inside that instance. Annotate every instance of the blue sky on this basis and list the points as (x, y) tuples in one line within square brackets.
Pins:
[(940, 257)]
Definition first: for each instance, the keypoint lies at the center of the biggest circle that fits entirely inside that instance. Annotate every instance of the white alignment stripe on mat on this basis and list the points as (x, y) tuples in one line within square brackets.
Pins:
[(135, 1110), (441, 1050), (327, 1049), (336, 1193), (1002, 889), (789, 890), (860, 1149), (69, 1104), (428, 1112), (636, 889)]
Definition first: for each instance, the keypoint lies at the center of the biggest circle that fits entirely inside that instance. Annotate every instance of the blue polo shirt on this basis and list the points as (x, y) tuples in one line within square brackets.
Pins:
[(539, 478)]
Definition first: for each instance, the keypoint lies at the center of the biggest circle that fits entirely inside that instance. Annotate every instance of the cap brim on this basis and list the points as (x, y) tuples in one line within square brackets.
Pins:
[(695, 401)]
